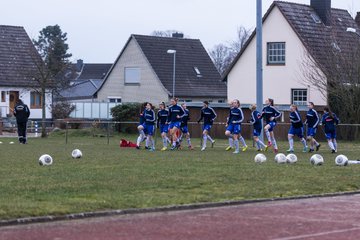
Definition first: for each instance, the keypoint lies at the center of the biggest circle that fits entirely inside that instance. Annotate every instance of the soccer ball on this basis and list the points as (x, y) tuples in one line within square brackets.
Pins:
[(291, 158), (260, 158), (45, 160), (341, 160), (317, 159), (76, 153), (280, 158)]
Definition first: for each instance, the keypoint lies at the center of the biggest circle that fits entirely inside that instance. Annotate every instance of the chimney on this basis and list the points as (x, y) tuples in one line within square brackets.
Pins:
[(323, 9), (178, 35), (79, 65), (357, 19)]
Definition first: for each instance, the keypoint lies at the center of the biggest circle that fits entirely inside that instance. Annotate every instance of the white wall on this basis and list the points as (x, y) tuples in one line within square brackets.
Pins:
[(24, 94), (277, 80)]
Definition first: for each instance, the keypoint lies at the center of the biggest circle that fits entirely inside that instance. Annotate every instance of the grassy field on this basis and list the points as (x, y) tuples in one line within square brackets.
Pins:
[(108, 177)]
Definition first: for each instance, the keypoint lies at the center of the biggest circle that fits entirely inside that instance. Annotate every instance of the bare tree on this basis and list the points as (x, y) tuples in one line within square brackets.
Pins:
[(334, 69), (223, 54)]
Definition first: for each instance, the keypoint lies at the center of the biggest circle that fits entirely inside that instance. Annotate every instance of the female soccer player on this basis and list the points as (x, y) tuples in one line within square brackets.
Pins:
[(236, 116), (184, 126), (296, 128), (257, 127), (209, 115), (330, 120), (270, 113), (176, 113), (149, 116), (312, 122), (141, 128), (162, 116)]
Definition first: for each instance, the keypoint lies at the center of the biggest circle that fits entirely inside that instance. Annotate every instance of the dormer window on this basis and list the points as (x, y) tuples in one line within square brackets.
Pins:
[(336, 46), (197, 71)]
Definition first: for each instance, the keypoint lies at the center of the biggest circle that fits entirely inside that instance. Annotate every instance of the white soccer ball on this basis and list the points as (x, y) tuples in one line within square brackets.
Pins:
[(280, 158), (76, 153), (45, 160), (11, 142), (317, 159), (260, 158), (341, 160), (0, 142), (291, 158)]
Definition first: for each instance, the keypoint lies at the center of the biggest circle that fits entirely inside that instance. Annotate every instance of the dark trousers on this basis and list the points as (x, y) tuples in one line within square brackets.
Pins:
[(22, 131)]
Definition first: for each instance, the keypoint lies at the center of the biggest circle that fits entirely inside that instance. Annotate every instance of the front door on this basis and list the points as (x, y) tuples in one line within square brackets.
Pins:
[(14, 96)]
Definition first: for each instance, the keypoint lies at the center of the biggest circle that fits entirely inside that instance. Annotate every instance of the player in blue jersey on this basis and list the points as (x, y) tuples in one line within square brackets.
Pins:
[(233, 124), (149, 116), (270, 114), (209, 115), (184, 126), (296, 128), (257, 127), (176, 113), (330, 120), (230, 137), (312, 122), (162, 116), (141, 128)]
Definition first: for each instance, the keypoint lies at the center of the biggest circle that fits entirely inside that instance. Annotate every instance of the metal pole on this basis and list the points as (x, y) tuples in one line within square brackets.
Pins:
[(259, 60), (174, 67)]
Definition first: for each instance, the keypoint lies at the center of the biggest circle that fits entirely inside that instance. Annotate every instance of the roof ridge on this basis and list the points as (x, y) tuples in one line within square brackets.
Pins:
[(161, 37), (11, 26)]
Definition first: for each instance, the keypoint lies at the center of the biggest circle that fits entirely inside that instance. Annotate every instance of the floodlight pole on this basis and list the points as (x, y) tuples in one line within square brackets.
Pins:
[(259, 59), (171, 51)]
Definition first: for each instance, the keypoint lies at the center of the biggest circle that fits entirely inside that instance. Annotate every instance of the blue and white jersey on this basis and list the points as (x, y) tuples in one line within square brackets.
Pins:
[(176, 113), (256, 119), (269, 112), (236, 116), (142, 118), (312, 118), (295, 119), (208, 114), (162, 116), (330, 122), (185, 118), (149, 116)]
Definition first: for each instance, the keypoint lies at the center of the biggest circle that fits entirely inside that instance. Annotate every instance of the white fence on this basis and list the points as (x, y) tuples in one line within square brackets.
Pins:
[(93, 110)]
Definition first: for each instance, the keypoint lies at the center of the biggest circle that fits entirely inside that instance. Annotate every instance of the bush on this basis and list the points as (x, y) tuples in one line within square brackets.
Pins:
[(126, 112), (62, 110)]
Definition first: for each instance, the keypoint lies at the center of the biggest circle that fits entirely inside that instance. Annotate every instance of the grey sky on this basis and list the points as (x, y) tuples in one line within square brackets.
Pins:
[(97, 30)]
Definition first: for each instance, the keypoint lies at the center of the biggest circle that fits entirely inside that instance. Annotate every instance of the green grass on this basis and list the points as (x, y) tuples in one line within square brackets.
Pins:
[(108, 177)]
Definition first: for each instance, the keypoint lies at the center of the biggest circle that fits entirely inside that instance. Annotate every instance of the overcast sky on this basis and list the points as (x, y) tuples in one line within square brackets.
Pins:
[(98, 29)]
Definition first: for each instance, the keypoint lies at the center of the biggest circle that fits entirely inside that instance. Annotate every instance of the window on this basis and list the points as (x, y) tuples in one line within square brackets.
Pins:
[(276, 53), (315, 18), (3, 96), (114, 99), (197, 71), (36, 100), (132, 75), (299, 97)]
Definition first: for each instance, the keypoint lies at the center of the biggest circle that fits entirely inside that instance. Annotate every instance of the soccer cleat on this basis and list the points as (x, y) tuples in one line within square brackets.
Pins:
[(276, 150), (289, 150), (164, 149), (333, 151), (203, 148), (269, 144), (259, 150), (137, 147), (244, 148), (151, 149), (173, 148), (228, 148), (318, 147), (236, 152), (305, 149), (147, 148), (311, 150), (212, 143), (190, 147), (266, 148)]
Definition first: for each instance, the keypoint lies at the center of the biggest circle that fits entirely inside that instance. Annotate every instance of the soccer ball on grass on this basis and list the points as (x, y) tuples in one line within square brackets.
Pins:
[(317, 159), (76, 153), (45, 160), (260, 158)]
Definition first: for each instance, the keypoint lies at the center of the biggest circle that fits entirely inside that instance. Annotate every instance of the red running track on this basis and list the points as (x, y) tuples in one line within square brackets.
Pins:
[(330, 218)]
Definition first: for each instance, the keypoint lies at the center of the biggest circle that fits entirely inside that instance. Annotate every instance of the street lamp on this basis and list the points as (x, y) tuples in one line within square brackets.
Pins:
[(352, 30), (172, 51), (259, 59)]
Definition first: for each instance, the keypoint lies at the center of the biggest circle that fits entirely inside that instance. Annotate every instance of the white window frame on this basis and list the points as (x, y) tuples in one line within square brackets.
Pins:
[(132, 75), (298, 97), (276, 53), (112, 99)]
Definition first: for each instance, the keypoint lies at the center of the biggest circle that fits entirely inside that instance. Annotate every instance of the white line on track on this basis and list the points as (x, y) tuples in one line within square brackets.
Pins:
[(318, 234)]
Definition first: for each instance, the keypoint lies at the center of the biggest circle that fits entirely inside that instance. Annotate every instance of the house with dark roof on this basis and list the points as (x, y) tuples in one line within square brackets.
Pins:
[(292, 34), (17, 54), (144, 71)]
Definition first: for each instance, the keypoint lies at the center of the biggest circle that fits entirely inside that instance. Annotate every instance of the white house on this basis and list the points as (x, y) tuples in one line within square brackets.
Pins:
[(16, 50), (292, 34)]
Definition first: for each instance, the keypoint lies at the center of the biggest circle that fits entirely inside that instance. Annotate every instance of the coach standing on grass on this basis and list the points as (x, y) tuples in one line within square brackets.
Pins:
[(22, 113)]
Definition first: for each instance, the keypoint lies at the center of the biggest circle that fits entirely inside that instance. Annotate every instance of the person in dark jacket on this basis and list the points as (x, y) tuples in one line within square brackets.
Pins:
[(22, 113), (330, 121)]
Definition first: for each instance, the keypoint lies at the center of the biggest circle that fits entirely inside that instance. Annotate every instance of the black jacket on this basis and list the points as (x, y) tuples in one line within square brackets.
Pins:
[(21, 112)]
